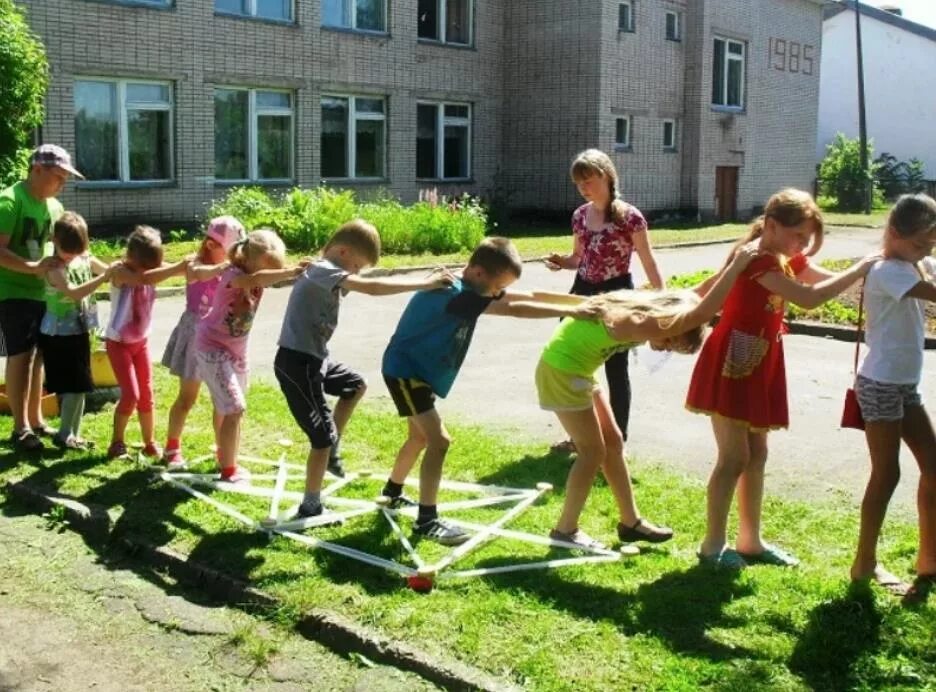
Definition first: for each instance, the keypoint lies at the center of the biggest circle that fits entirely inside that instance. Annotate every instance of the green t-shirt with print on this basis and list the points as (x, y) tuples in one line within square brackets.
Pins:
[(27, 222), (580, 347)]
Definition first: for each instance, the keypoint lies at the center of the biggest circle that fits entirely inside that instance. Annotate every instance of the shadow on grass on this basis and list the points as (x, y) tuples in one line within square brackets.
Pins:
[(838, 635)]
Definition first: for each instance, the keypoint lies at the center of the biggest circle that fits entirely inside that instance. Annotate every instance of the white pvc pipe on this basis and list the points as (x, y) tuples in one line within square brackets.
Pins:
[(359, 555), (532, 538), (546, 564), (470, 487), (398, 532), (319, 520), (482, 502), (278, 489), (221, 507)]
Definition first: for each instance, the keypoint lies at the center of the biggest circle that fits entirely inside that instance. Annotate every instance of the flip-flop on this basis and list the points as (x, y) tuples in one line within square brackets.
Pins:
[(771, 555), (728, 559), (891, 583)]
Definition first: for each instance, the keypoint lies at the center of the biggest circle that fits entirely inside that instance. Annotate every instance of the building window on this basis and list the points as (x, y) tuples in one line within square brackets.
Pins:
[(280, 10), (626, 16), (673, 28), (728, 73), (443, 141), (253, 135), (669, 134), (363, 15), (353, 137), (622, 133), (123, 130), (447, 21)]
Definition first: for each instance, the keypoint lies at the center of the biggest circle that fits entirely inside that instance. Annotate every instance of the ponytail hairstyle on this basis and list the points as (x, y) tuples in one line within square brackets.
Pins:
[(668, 308), (260, 249), (789, 207), (913, 214), (592, 162)]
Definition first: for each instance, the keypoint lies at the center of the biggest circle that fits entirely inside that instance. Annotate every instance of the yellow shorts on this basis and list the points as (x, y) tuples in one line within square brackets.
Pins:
[(561, 391)]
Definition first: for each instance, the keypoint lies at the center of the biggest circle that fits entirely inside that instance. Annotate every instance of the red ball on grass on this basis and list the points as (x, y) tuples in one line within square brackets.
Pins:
[(419, 584)]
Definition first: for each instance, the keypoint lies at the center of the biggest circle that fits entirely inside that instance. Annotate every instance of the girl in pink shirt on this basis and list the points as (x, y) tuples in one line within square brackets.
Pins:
[(257, 262), (132, 297), (203, 275)]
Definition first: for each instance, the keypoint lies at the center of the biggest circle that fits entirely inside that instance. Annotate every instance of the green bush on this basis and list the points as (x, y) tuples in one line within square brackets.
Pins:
[(841, 176), (25, 71), (306, 218)]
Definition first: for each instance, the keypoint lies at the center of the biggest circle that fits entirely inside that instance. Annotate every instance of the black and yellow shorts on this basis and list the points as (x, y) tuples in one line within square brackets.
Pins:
[(410, 395)]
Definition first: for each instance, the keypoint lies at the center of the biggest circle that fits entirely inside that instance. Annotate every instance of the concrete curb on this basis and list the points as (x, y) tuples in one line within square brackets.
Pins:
[(333, 631)]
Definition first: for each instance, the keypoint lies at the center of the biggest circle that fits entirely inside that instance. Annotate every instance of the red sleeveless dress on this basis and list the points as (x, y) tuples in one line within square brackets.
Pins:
[(740, 372)]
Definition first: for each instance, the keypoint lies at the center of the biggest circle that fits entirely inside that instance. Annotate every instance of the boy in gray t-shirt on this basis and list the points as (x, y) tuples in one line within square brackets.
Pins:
[(303, 368)]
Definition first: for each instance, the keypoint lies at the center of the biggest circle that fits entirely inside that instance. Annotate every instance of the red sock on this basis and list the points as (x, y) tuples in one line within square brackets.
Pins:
[(228, 471), (173, 443)]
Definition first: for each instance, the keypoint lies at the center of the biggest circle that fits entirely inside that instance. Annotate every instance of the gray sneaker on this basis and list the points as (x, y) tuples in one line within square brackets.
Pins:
[(441, 532)]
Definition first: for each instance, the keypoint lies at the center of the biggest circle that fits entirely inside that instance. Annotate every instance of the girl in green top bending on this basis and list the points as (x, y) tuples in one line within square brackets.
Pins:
[(565, 383)]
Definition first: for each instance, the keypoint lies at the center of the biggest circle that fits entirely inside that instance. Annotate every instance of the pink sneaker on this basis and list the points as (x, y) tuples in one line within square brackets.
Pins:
[(238, 475), (117, 450), (174, 460), (152, 450)]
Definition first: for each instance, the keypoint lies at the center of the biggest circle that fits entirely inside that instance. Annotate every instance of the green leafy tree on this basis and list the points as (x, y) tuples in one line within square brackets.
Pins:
[(25, 78), (916, 180), (841, 176)]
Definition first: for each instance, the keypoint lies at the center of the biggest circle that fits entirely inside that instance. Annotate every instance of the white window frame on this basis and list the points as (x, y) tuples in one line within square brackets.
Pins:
[(253, 113), (123, 140), (354, 116), (729, 57), (441, 26), (441, 121), (677, 25), (350, 10), (629, 122), (672, 146), (631, 23), (252, 12)]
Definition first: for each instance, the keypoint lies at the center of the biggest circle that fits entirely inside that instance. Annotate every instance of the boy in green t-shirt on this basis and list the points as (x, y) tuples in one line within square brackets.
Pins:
[(27, 211)]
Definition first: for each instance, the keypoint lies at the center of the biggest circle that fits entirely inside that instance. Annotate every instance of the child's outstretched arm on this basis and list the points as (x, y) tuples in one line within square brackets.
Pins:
[(59, 281), (814, 295), (122, 276), (202, 272), (924, 290), (556, 298), (438, 278), (523, 304), (264, 278)]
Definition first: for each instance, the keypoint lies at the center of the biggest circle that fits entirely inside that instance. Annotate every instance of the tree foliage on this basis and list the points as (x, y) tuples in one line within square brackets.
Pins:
[(25, 78)]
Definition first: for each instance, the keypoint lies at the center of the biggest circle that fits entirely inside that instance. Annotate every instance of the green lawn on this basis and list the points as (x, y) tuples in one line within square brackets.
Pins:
[(656, 621), (876, 219)]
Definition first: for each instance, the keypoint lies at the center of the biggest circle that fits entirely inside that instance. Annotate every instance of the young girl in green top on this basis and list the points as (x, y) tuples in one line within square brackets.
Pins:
[(64, 334), (566, 385)]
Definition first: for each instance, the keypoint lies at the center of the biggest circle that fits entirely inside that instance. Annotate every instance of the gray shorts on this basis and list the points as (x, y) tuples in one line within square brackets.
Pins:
[(883, 401)]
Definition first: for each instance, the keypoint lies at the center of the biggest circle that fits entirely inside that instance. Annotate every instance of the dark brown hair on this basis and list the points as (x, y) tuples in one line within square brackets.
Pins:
[(70, 233), (360, 236), (144, 247), (495, 256)]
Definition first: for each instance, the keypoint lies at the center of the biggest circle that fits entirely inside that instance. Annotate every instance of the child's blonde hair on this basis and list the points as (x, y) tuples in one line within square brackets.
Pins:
[(789, 207), (144, 247), (496, 255), (256, 245), (913, 214), (592, 162), (360, 236), (666, 307)]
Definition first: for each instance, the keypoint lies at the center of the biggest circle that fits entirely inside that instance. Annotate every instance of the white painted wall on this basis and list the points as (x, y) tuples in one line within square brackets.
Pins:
[(900, 88)]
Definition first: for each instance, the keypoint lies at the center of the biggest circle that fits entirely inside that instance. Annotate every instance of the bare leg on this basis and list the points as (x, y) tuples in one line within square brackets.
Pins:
[(585, 430), (409, 452), (178, 413), (34, 394), (148, 426), (344, 408), (614, 465), (315, 469), (229, 440), (18, 372), (883, 440), (733, 455), (437, 445), (751, 496), (920, 438)]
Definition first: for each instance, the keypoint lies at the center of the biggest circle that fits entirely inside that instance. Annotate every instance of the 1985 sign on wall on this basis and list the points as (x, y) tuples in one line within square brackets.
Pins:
[(790, 56)]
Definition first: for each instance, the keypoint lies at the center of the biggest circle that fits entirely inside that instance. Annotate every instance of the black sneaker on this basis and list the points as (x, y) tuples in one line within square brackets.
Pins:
[(336, 466), (401, 502), (26, 441), (308, 510), (441, 532)]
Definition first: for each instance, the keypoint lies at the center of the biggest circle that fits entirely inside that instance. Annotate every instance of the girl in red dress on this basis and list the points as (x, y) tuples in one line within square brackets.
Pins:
[(740, 380)]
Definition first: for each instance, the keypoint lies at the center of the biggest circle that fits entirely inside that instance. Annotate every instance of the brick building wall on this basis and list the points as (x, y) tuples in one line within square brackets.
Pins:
[(544, 79)]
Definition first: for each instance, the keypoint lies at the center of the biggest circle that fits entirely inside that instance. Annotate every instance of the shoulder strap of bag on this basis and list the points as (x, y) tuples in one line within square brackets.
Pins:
[(859, 332)]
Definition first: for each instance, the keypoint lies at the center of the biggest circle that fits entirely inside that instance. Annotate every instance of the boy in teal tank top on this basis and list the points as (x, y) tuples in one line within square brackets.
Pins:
[(65, 331)]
